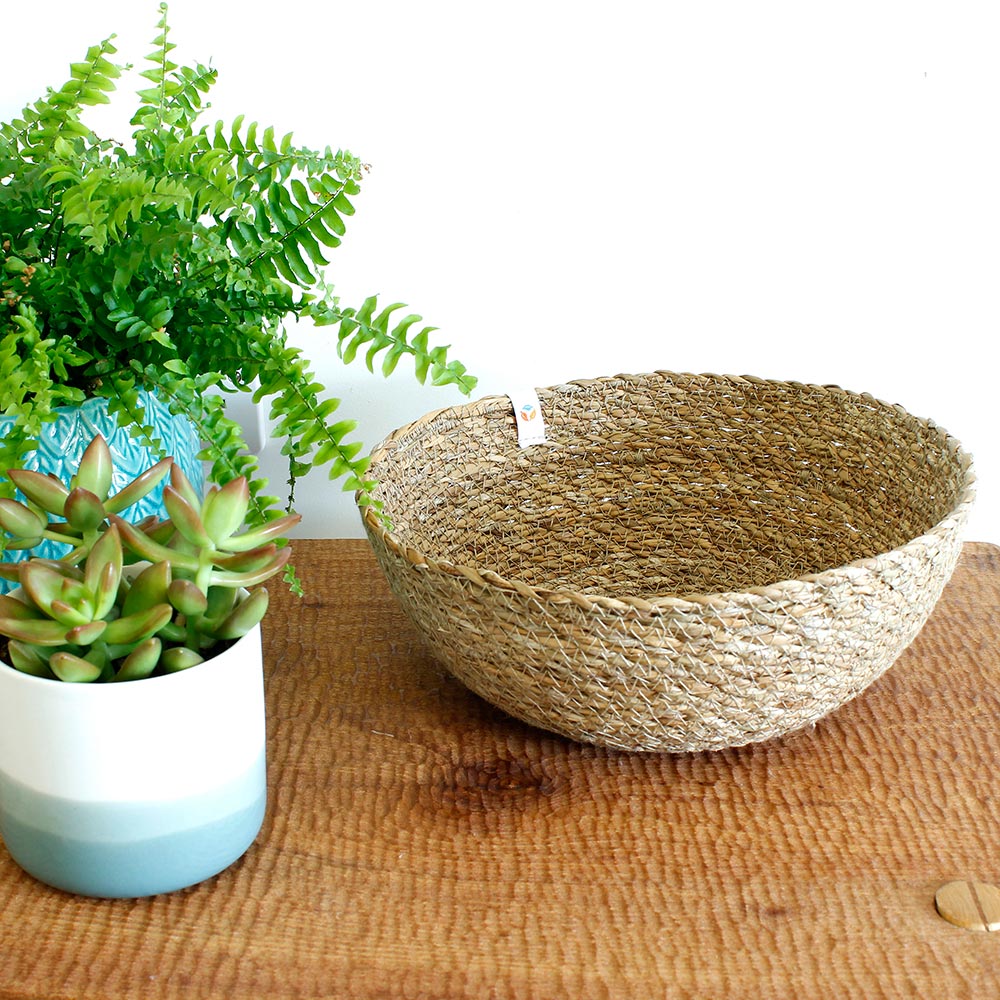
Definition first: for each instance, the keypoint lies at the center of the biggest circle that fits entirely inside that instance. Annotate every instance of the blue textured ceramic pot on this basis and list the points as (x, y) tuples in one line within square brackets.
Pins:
[(138, 788), (63, 441)]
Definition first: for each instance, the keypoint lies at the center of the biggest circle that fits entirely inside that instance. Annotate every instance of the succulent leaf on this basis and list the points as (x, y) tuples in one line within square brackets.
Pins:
[(253, 559), (221, 600), (187, 598), (88, 634), (28, 659), (140, 487), (11, 607), (42, 489), (134, 628), (148, 588), (182, 485), (141, 662), (244, 616), (95, 469), (38, 632), (250, 578), (106, 591), (84, 509), (224, 509), (185, 517), (158, 530), (107, 552), (44, 583), (146, 548), (20, 521), (172, 632), (67, 615), (261, 536), (72, 669), (179, 658), (62, 567)]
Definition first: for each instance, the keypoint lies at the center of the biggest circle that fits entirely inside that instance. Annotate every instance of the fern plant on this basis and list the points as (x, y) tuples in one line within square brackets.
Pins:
[(171, 264)]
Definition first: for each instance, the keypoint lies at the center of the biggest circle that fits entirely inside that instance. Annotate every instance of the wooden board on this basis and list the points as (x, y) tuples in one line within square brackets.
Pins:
[(419, 844)]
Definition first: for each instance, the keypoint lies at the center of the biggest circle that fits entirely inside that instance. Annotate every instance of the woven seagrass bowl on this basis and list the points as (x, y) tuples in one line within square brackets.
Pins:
[(690, 562)]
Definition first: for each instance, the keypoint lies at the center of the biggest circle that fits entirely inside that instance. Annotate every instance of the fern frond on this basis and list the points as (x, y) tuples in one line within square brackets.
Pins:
[(145, 319), (286, 203), (56, 116), (172, 265), (302, 413), (30, 385), (359, 328), (160, 66), (122, 395), (224, 445)]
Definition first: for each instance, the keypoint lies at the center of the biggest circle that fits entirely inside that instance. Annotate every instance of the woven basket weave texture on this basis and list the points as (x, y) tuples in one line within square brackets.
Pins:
[(691, 562)]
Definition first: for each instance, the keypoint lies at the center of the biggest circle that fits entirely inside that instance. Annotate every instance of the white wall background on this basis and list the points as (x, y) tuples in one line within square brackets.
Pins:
[(791, 190)]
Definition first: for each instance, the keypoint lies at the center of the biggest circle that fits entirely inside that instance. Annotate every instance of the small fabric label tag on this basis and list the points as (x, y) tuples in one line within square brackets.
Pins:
[(528, 416)]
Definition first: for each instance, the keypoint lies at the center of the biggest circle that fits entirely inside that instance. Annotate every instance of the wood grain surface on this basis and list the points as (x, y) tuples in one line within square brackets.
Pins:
[(419, 844)]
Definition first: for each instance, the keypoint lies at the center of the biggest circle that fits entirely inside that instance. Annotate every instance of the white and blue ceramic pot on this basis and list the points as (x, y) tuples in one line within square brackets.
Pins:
[(135, 788), (63, 441)]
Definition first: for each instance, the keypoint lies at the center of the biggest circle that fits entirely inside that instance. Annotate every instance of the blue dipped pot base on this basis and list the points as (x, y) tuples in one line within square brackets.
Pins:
[(131, 849)]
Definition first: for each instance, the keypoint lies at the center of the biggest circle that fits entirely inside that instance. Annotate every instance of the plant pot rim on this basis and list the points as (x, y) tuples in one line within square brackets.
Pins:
[(220, 659), (69, 686)]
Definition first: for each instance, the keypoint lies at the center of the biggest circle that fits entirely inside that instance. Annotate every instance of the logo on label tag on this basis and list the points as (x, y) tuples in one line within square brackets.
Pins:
[(529, 420)]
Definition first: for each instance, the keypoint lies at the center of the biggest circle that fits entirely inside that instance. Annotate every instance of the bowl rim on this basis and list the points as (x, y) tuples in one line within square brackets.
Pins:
[(947, 528)]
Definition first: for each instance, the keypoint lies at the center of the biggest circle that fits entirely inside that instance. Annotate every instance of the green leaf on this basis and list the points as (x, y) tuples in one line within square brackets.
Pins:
[(179, 658), (73, 669), (141, 662), (136, 627)]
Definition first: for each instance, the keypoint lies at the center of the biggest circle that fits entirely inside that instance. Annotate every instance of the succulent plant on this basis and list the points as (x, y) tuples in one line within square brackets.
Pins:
[(87, 617)]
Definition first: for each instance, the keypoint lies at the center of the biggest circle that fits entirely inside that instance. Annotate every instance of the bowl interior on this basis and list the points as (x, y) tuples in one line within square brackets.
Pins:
[(669, 484)]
